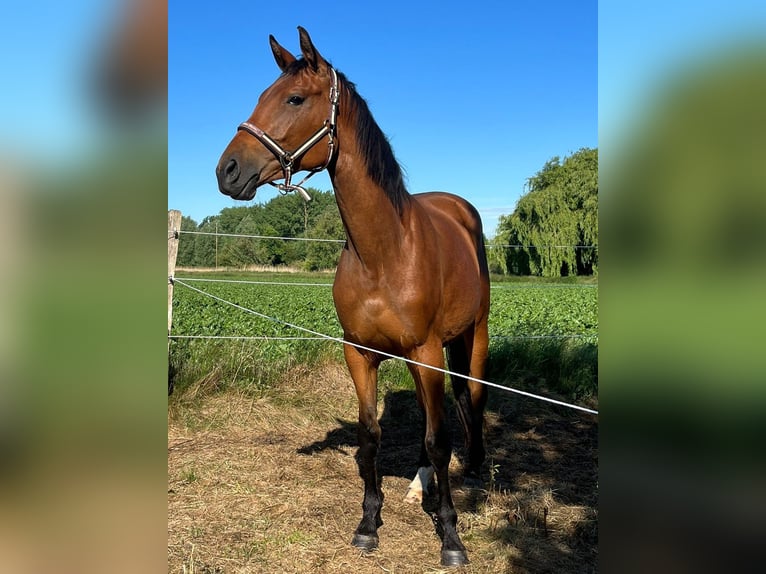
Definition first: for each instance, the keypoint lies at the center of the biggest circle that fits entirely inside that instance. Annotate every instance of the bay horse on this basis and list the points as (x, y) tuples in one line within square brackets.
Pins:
[(412, 277)]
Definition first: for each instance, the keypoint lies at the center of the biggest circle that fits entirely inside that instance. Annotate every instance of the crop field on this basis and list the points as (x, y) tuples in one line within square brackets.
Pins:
[(262, 435), (548, 329), (517, 309)]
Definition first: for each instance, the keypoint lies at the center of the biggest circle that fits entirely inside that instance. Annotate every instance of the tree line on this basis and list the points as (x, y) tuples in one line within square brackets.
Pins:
[(282, 216), (552, 232)]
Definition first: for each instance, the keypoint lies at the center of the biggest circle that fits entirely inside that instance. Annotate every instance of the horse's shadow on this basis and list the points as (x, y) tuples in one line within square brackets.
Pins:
[(401, 428), (337, 439), (526, 444), (400, 436)]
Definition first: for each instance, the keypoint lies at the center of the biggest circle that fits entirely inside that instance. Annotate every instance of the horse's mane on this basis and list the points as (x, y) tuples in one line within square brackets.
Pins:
[(379, 158)]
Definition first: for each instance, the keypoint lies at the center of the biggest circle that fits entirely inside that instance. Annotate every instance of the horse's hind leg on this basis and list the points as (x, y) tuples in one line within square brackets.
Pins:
[(479, 353), (364, 372), (467, 356), (439, 448), (419, 486)]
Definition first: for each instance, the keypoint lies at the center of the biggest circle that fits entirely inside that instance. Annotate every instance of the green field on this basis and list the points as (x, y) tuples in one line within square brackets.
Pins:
[(542, 332)]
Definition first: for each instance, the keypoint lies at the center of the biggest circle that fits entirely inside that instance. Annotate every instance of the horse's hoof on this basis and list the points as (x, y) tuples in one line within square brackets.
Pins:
[(366, 542), (454, 558)]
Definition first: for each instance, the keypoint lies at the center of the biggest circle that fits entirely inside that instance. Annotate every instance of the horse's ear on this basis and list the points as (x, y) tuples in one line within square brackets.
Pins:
[(310, 53), (282, 56)]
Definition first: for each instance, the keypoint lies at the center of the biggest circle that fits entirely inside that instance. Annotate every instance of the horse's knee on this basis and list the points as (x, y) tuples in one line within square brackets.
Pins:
[(369, 428), (368, 432)]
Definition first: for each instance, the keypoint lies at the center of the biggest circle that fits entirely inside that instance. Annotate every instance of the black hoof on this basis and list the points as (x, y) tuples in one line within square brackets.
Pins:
[(454, 558), (365, 542)]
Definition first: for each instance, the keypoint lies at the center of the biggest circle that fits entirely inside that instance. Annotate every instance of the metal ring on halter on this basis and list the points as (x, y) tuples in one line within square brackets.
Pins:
[(286, 159)]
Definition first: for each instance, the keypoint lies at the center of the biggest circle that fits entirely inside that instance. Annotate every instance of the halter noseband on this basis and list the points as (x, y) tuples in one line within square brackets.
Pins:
[(286, 158)]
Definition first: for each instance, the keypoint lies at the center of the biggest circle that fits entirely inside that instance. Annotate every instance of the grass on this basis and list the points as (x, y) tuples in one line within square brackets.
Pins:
[(262, 437), (268, 482), (567, 367)]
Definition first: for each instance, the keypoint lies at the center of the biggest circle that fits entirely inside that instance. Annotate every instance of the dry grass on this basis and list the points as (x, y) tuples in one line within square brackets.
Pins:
[(270, 484)]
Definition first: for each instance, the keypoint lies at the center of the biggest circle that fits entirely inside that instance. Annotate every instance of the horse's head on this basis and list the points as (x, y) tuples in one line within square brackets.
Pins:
[(292, 115)]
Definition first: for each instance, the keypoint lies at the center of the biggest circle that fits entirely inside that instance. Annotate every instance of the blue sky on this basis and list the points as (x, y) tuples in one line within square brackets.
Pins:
[(474, 100), (46, 70)]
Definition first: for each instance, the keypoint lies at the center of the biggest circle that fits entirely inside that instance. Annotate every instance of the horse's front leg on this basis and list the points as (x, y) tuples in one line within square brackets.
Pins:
[(364, 372)]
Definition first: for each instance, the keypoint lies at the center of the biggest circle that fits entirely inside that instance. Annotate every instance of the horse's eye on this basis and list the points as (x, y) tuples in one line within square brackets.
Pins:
[(295, 100)]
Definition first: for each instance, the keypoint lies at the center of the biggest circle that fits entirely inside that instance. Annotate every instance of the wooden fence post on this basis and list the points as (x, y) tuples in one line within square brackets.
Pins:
[(174, 227)]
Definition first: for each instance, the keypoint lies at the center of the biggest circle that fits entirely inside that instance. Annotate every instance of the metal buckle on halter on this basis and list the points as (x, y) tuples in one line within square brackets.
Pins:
[(286, 158), (287, 187)]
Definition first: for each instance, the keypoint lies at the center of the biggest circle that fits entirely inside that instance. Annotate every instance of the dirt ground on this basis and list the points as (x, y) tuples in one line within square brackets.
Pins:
[(270, 484)]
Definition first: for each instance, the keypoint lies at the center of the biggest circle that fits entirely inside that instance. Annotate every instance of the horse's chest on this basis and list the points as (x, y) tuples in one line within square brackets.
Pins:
[(381, 321)]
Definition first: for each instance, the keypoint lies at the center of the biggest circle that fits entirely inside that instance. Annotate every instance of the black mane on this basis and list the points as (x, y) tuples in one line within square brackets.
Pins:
[(382, 166)]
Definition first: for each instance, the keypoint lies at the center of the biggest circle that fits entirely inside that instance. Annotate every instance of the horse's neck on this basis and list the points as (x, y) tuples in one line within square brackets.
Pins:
[(374, 227)]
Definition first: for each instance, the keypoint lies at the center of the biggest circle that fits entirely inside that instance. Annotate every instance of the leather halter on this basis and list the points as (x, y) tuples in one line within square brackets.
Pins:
[(286, 158)]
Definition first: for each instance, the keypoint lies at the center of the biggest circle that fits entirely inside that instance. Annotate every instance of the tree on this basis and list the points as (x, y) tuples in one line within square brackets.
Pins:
[(555, 224), (284, 216), (205, 245), (243, 251), (186, 243), (321, 254)]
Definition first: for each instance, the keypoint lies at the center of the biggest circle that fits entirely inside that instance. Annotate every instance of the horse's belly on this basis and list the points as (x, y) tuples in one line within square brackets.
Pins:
[(399, 329), (465, 309)]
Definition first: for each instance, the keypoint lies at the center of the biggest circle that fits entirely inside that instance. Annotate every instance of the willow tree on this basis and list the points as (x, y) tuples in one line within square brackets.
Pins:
[(554, 228)]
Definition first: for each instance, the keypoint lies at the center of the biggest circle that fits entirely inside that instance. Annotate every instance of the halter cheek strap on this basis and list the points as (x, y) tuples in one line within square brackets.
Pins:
[(286, 158)]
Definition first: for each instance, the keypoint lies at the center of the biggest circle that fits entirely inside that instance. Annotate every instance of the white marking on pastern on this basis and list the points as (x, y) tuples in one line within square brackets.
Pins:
[(419, 485)]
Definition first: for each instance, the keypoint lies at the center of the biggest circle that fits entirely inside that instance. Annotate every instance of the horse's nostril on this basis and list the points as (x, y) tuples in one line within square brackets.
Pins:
[(231, 171)]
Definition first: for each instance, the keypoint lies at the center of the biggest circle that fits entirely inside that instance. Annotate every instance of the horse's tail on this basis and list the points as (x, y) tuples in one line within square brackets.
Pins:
[(470, 400), (459, 362)]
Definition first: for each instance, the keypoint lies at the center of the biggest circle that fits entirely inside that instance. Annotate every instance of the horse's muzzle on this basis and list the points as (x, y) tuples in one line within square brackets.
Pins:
[(235, 181)]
